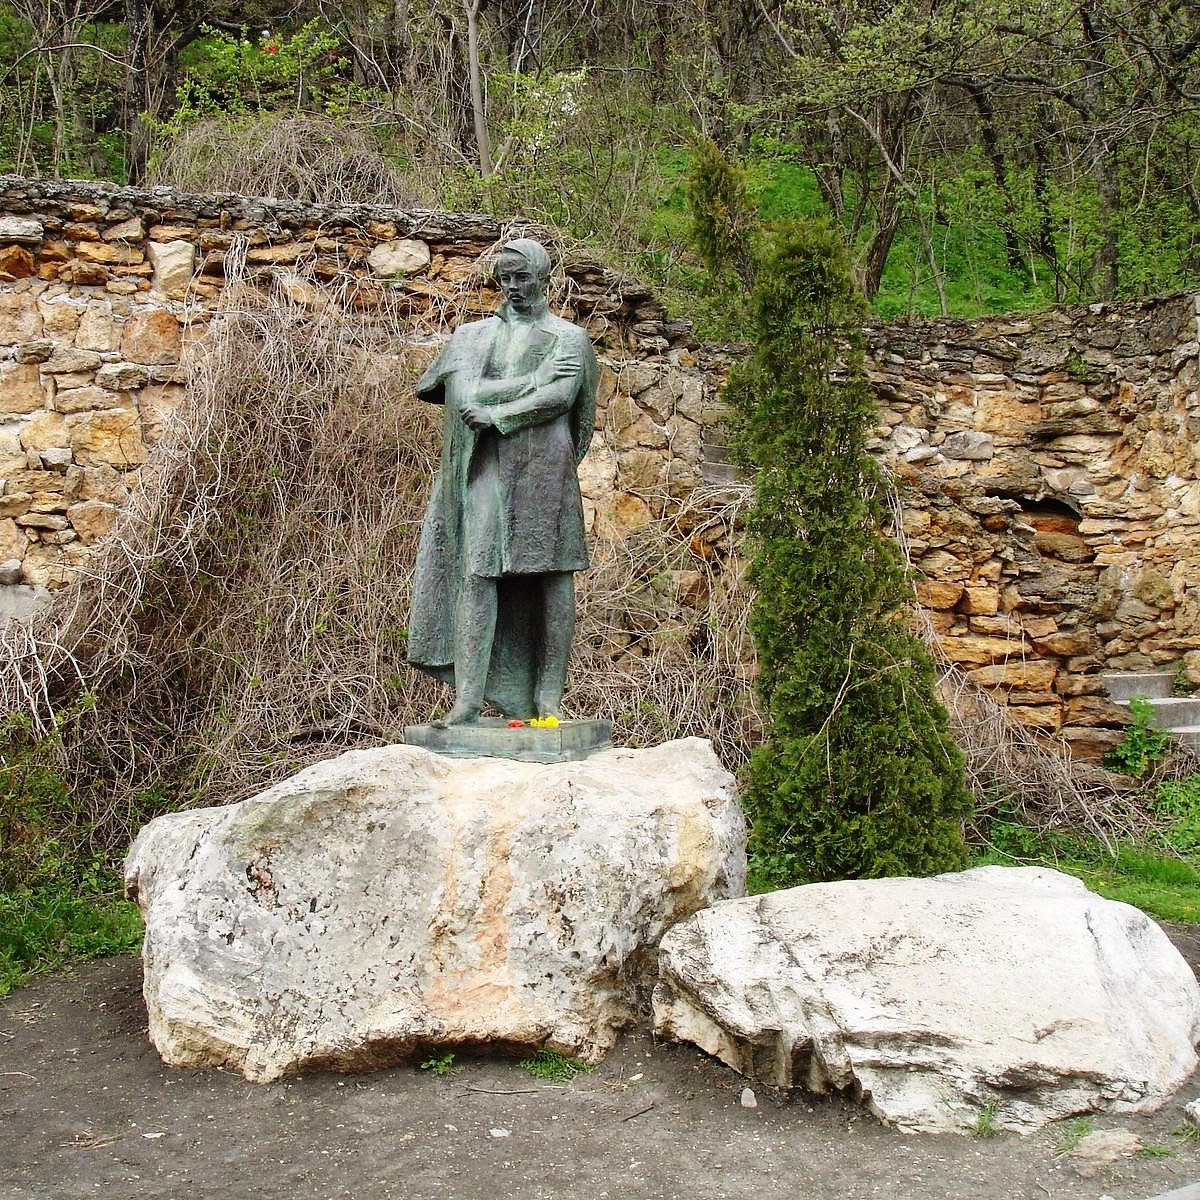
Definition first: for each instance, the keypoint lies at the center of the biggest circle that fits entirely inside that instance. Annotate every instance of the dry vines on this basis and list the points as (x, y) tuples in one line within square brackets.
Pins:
[(248, 615)]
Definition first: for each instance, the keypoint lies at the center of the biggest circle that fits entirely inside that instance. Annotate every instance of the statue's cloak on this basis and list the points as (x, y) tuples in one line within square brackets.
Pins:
[(506, 502)]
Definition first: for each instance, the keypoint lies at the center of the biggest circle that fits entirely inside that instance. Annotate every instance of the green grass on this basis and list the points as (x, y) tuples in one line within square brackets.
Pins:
[(546, 1064), (1073, 1133), (45, 927), (1161, 884)]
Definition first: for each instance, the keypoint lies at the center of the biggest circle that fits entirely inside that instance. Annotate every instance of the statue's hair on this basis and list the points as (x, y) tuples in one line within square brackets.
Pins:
[(534, 253)]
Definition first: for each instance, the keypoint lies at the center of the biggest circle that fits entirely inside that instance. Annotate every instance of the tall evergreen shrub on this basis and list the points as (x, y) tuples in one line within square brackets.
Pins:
[(858, 775)]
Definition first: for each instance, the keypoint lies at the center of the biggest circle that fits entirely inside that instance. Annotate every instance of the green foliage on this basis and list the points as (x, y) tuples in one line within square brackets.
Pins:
[(441, 1065), (60, 897), (1073, 1133), (234, 77), (1177, 801), (546, 1064), (44, 927), (1160, 883), (1142, 746), (858, 775), (985, 1124), (723, 222)]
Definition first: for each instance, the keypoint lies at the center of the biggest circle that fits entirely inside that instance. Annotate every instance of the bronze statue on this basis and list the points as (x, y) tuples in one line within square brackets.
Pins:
[(493, 604)]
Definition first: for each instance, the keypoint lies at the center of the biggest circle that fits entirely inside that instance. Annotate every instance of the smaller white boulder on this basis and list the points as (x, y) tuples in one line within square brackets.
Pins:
[(1008, 990)]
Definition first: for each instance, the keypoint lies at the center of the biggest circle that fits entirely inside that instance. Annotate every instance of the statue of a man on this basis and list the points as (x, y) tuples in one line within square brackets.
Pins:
[(493, 604)]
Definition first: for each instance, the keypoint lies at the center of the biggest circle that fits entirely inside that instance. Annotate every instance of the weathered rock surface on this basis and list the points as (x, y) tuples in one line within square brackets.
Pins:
[(1013, 990), (391, 900)]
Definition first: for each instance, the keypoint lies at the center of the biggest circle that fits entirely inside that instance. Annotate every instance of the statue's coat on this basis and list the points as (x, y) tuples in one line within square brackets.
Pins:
[(506, 503)]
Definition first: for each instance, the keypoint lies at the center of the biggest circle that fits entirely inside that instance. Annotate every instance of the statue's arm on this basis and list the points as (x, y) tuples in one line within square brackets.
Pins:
[(550, 391)]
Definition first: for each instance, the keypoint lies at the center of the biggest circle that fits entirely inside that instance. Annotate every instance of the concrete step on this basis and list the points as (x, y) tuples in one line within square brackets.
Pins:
[(1174, 712), (1189, 735), (1124, 685)]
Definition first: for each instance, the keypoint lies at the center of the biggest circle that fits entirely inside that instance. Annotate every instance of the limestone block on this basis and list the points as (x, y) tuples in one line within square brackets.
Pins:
[(97, 329), (983, 601), (978, 650), (1034, 675), (46, 566), (598, 471), (151, 336), (25, 231), (628, 514), (396, 258), (390, 901), (288, 252), (92, 519), (15, 263), (111, 437), (1068, 642), (692, 398), (938, 594), (13, 541), (95, 483), (85, 399), (60, 316), (20, 320), (906, 437), (122, 377), (12, 454), (174, 265), (158, 404), (1007, 413), (108, 254), (131, 230), (1046, 718), (933, 998), (44, 431), (65, 360), (969, 444), (21, 389), (640, 470), (14, 504)]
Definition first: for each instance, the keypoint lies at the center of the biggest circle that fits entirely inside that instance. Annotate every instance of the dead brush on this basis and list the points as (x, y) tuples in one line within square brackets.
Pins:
[(309, 159), (247, 617)]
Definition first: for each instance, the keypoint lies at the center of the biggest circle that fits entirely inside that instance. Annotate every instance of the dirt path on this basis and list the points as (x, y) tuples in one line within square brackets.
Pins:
[(87, 1110)]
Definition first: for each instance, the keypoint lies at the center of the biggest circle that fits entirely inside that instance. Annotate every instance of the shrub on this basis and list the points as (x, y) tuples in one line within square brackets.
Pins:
[(858, 775)]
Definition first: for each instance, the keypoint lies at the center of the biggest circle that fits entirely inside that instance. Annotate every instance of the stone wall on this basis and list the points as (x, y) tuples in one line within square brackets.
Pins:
[(1050, 490), (105, 291), (1050, 474)]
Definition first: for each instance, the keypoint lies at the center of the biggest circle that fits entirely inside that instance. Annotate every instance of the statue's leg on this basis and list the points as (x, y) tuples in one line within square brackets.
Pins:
[(558, 609), (474, 632)]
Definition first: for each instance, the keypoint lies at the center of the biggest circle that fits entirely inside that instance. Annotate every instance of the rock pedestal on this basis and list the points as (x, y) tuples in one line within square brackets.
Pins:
[(1011, 991), (392, 901)]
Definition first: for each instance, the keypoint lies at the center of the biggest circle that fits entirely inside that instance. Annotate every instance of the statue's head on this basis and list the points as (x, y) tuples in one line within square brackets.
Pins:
[(522, 269)]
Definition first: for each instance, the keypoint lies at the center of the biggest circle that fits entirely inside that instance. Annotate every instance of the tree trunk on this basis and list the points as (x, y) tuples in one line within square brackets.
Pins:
[(483, 141)]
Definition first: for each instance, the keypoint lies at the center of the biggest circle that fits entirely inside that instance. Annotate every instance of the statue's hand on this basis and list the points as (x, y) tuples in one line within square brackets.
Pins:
[(476, 416)]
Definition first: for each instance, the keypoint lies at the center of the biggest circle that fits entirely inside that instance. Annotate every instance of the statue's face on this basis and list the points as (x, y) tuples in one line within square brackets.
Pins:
[(521, 287)]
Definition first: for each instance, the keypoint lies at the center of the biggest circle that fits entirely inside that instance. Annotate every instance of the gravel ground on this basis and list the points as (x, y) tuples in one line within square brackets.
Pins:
[(87, 1109)]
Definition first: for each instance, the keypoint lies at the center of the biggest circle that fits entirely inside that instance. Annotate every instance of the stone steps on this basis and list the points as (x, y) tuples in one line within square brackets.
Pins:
[(1154, 685), (1176, 715)]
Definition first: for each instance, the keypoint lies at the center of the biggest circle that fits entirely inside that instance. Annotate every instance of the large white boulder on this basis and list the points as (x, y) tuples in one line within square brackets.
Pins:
[(1005, 991), (390, 901)]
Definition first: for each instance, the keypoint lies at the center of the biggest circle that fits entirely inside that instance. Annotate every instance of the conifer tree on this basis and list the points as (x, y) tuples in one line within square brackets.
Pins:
[(858, 775)]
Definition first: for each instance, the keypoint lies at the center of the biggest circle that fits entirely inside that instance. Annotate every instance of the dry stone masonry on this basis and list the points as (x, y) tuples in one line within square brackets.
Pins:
[(1049, 474), (1046, 463), (104, 290)]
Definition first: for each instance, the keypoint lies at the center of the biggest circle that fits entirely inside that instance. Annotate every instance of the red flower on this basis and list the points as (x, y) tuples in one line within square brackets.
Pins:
[(516, 724), (271, 49)]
